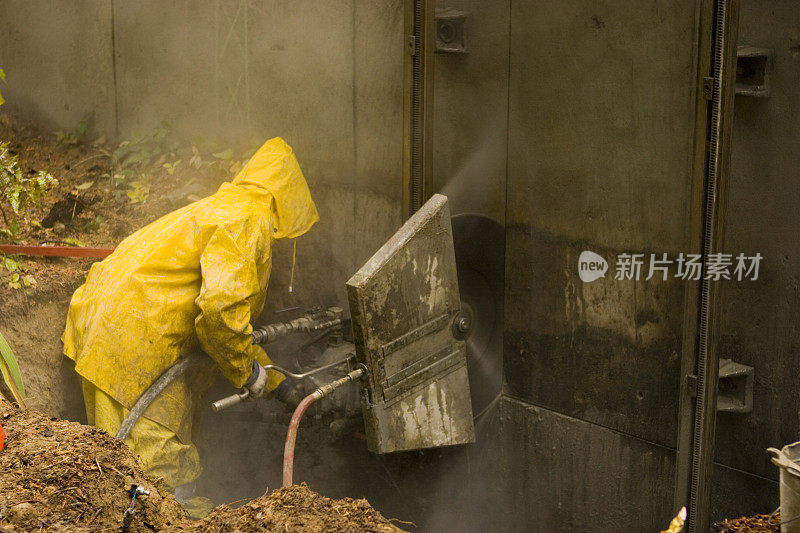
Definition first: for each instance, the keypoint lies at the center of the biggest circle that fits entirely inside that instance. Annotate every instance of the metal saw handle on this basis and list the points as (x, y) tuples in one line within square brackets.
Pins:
[(230, 401), (244, 394)]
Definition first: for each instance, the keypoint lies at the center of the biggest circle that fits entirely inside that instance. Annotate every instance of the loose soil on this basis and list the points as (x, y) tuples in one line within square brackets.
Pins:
[(750, 524), (297, 509), (64, 476)]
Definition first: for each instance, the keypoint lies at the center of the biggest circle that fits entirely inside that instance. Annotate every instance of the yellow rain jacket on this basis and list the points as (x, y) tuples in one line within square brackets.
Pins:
[(193, 279)]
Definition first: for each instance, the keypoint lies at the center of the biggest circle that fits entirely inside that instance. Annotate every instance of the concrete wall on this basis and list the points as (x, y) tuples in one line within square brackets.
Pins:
[(575, 128), (601, 138), (601, 127), (761, 319), (326, 76), (58, 59)]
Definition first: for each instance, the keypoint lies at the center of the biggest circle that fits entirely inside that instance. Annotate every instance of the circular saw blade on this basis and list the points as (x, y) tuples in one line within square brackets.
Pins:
[(479, 244)]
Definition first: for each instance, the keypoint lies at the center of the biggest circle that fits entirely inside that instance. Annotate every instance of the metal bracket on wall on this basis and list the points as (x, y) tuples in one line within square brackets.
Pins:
[(451, 31), (753, 71), (734, 385)]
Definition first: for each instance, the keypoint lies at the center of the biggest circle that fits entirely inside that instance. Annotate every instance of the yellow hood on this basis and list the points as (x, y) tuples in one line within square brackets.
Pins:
[(275, 169)]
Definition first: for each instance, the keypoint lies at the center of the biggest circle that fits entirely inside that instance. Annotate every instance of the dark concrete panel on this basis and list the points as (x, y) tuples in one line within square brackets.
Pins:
[(606, 351), (563, 474), (761, 319), (58, 62), (737, 493), (471, 112), (601, 120), (600, 144)]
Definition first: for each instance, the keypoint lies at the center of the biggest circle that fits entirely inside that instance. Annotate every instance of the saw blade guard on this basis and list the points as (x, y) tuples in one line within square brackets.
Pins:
[(406, 316)]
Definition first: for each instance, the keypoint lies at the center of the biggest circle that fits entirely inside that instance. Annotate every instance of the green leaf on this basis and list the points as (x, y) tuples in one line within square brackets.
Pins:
[(80, 129), (74, 242), (225, 154), (11, 373), (139, 192), (2, 75), (171, 166), (12, 265)]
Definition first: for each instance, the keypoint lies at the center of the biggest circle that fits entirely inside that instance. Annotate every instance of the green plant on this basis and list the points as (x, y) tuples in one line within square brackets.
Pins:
[(18, 280), (9, 263), (20, 190), (73, 242), (77, 135), (12, 232), (2, 78), (18, 277), (11, 374), (142, 149), (94, 224), (170, 167), (139, 191)]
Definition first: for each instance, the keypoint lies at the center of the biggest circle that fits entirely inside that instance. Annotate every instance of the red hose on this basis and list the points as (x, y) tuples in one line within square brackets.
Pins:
[(291, 437), (55, 251)]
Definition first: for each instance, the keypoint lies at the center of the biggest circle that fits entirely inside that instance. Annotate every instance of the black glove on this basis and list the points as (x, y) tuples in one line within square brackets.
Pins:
[(291, 392)]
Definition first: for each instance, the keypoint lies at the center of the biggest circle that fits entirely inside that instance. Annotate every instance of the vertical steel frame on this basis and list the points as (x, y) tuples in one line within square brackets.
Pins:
[(697, 416), (420, 32)]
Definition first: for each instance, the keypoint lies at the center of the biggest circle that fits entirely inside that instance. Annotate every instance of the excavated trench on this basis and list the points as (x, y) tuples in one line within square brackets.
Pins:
[(62, 475)]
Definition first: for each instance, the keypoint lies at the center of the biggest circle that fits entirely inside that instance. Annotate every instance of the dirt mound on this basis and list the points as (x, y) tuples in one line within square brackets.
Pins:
[(64, 476), (751, 524), (297, 509)]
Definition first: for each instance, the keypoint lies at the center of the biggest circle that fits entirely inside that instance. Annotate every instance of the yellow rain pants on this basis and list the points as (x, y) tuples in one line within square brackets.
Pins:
[(193, 279), (159, 450)]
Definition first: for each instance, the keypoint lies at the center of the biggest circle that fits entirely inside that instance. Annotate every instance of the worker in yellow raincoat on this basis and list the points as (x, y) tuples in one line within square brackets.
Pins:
[(192, 280)]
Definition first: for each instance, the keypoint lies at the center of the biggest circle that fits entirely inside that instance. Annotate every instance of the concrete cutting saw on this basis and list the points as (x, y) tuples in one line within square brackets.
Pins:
[(426, 313)]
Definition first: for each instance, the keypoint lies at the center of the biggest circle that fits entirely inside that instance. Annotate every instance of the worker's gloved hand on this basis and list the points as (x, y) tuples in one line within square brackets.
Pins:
[(291, 392), (256, 384)]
